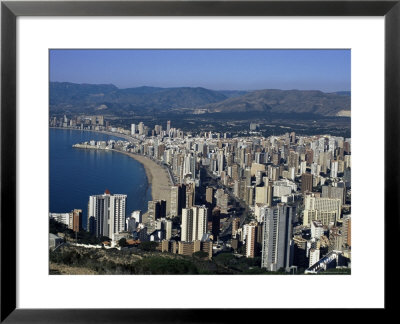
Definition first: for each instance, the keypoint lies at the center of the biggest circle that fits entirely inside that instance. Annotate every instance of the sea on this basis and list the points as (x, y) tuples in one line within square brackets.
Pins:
[(75, 174)]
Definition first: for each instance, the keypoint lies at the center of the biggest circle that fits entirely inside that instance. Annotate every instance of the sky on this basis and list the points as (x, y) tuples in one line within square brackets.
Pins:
[(325, 70)]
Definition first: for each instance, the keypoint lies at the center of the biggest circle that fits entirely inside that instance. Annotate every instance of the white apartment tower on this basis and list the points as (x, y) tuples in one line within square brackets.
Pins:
[(194, 223), (250, 240), (106, 214)]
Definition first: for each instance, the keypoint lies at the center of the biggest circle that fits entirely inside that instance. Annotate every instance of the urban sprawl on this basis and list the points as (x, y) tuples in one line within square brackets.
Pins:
[(285, 199)]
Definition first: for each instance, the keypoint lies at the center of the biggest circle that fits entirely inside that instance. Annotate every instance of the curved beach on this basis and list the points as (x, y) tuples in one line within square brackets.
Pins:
[(157, 177)]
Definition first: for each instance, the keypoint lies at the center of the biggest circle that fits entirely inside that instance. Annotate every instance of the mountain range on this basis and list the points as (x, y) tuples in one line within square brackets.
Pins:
[(109, 100)]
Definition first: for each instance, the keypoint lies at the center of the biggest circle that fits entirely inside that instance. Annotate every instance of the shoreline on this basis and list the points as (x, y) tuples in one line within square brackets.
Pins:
[(157, 176), (122, 136)]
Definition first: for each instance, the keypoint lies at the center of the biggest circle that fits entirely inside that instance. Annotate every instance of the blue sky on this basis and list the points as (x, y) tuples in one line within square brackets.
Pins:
[(325, 70)]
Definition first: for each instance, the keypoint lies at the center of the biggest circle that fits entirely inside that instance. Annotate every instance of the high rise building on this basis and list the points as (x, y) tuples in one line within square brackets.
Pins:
[(300, 258), (235, 226), (346, 230), (306, 182), (168, 229), (157, 209), (264, 194), (76, 224), (293, 161), (141, 128), (334, 192), (168, 126), (292, 138), (178, 200), (190, 195), (326, 210), (309, 157), (314, 256), (106, 214), (216, 222), (133, 129), (174, 201), (317, 229), (222, 200), (251, 240), (137, 215), (334, 169), (194, 223), (210, 195), (277, 251)]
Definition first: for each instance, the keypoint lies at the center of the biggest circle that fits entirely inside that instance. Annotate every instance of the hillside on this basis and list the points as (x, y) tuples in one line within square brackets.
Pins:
[(109, 100), (284, 101)]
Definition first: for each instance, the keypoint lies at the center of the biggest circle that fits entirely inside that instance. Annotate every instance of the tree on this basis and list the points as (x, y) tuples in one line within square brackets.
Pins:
[(148, 246), (122, 242), (200, 254)]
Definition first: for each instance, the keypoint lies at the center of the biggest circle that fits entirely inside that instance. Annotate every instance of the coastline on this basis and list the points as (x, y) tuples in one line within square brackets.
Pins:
[(157, 177)]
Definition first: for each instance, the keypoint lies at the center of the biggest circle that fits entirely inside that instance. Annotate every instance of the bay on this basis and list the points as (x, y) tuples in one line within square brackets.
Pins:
[(75, 174)]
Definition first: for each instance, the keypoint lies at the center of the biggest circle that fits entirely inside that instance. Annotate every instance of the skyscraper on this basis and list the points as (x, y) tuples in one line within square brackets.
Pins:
[(306, 182), (194, 223), (334, 169), (210, 195), (168, 126), (346, 230), (235, 226), (293, 161), (106, 214), (133, 129), (76, 220), (190, 195), (277, 245), (141, 128), (216, 222), (251, 240), (178, 200), (157, 209)]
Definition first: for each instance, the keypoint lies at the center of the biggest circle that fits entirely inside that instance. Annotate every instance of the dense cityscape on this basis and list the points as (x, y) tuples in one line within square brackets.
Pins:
[(235, 204)]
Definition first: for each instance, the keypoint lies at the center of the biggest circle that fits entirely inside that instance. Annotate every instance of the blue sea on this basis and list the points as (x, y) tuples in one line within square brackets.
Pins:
[(75, 174)]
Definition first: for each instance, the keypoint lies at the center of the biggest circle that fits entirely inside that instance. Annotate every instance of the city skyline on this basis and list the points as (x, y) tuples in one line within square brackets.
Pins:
[(282, 201), (242, 182)]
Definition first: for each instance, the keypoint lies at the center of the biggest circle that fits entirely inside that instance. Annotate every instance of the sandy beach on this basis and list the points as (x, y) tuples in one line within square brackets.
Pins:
[(157, 177)]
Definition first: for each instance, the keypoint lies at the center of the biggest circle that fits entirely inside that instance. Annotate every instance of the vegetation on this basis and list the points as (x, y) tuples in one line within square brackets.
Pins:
[(78, 98), (148, 246), (116, 262), (57, 227), (160, 265), (82, 237), (200, 255), (122, 242)]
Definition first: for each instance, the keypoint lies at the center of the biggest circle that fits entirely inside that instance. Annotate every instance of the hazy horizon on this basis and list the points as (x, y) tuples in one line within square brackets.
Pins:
[(220, 70), (151, 86)]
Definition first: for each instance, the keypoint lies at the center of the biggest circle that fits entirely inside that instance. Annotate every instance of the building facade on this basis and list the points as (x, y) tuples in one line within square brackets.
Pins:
[(277, 251), (106, 214)]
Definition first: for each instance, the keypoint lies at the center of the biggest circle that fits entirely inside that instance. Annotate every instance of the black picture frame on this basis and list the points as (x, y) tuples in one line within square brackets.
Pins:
[(10, 10)]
